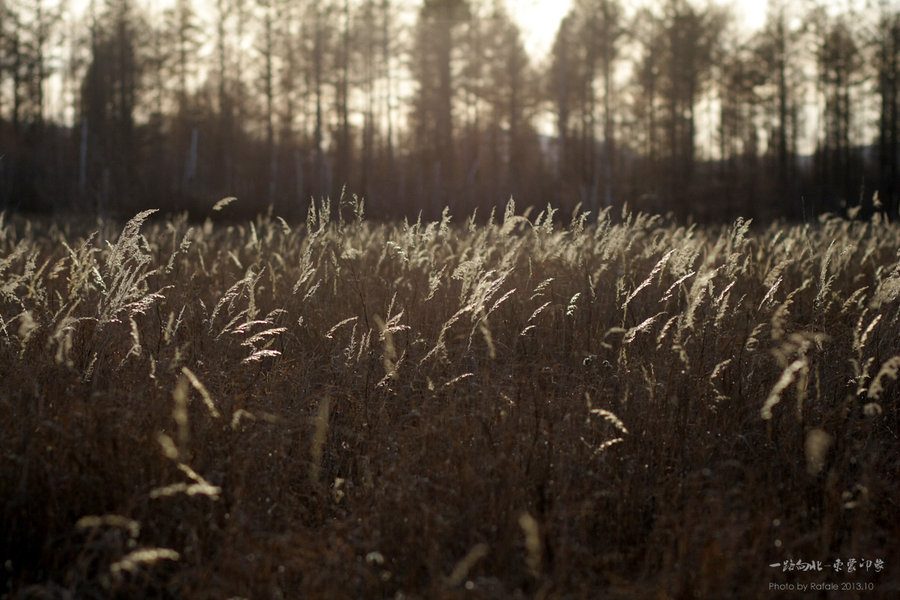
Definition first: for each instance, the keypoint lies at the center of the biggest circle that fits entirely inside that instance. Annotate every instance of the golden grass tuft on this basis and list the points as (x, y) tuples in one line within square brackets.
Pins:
[(511, 408)]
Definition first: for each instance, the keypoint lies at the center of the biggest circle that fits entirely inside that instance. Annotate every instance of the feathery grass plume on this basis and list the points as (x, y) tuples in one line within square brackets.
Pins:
[(643, 327), (172, 325), (320, 434), (798, 345), (872, 409), (887, 290), (777, 258), (318, 216), (136, 348), (468, 274), (88, 374), (464, 565), (700, 289), (351, 348), (266, 337), (607, 444), (489, 285), (862, 372), (579, 219), (129, 242), (613, 332), (63, 337), (533, 545), (285, 228), (513, 223), (440, 347), (168, 446), (457, 379), (390, 352), (204, 393), (825, 281), (180, 413), (860, 339), (788, 376), (656, 269), (145, 556), (771, 293), (541, 288), (127, 270), (252, 309), (234, 258), (752, 342), (661, 336), (362, 347), (534, 315), (182, 250), (780, 316), (241, 414), (735, 246), (116, 521), (307, 270), (339, 324), (855, 300), (816, 448), (678, 282), (32, 281), (573, 304), (508, 215), (58, 267), (27, 327), (545, 226), (444, 226), (141, 306), (253, 245), (889, 369), (399, 250), (358, 207), (862, 366), (199, 487), (230, 297), (718, 370), (261, 336), (611, 418), (488, 338), (500, 300), (83, 275), (538, 311), (218, 206)]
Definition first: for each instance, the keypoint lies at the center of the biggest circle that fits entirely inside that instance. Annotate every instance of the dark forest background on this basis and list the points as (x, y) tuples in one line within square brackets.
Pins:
[(669, 106)]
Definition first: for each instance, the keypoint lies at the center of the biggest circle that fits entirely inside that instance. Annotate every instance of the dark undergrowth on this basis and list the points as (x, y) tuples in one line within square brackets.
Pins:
[(341, 409)]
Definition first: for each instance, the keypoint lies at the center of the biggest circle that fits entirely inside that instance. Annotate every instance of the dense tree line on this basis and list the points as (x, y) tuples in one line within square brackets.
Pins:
[(670, 106)]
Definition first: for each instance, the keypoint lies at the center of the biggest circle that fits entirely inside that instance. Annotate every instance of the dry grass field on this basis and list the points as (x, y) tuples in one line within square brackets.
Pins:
[(616, 408)]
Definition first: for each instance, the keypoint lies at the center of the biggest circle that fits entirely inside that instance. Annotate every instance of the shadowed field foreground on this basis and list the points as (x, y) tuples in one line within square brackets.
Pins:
[(346, 409)]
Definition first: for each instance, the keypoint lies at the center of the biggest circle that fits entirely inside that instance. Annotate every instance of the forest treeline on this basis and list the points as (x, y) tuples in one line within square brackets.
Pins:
[(669, 106)]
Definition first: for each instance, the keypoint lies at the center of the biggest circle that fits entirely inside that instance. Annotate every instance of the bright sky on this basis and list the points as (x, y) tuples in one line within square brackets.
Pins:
[(540, 19)]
